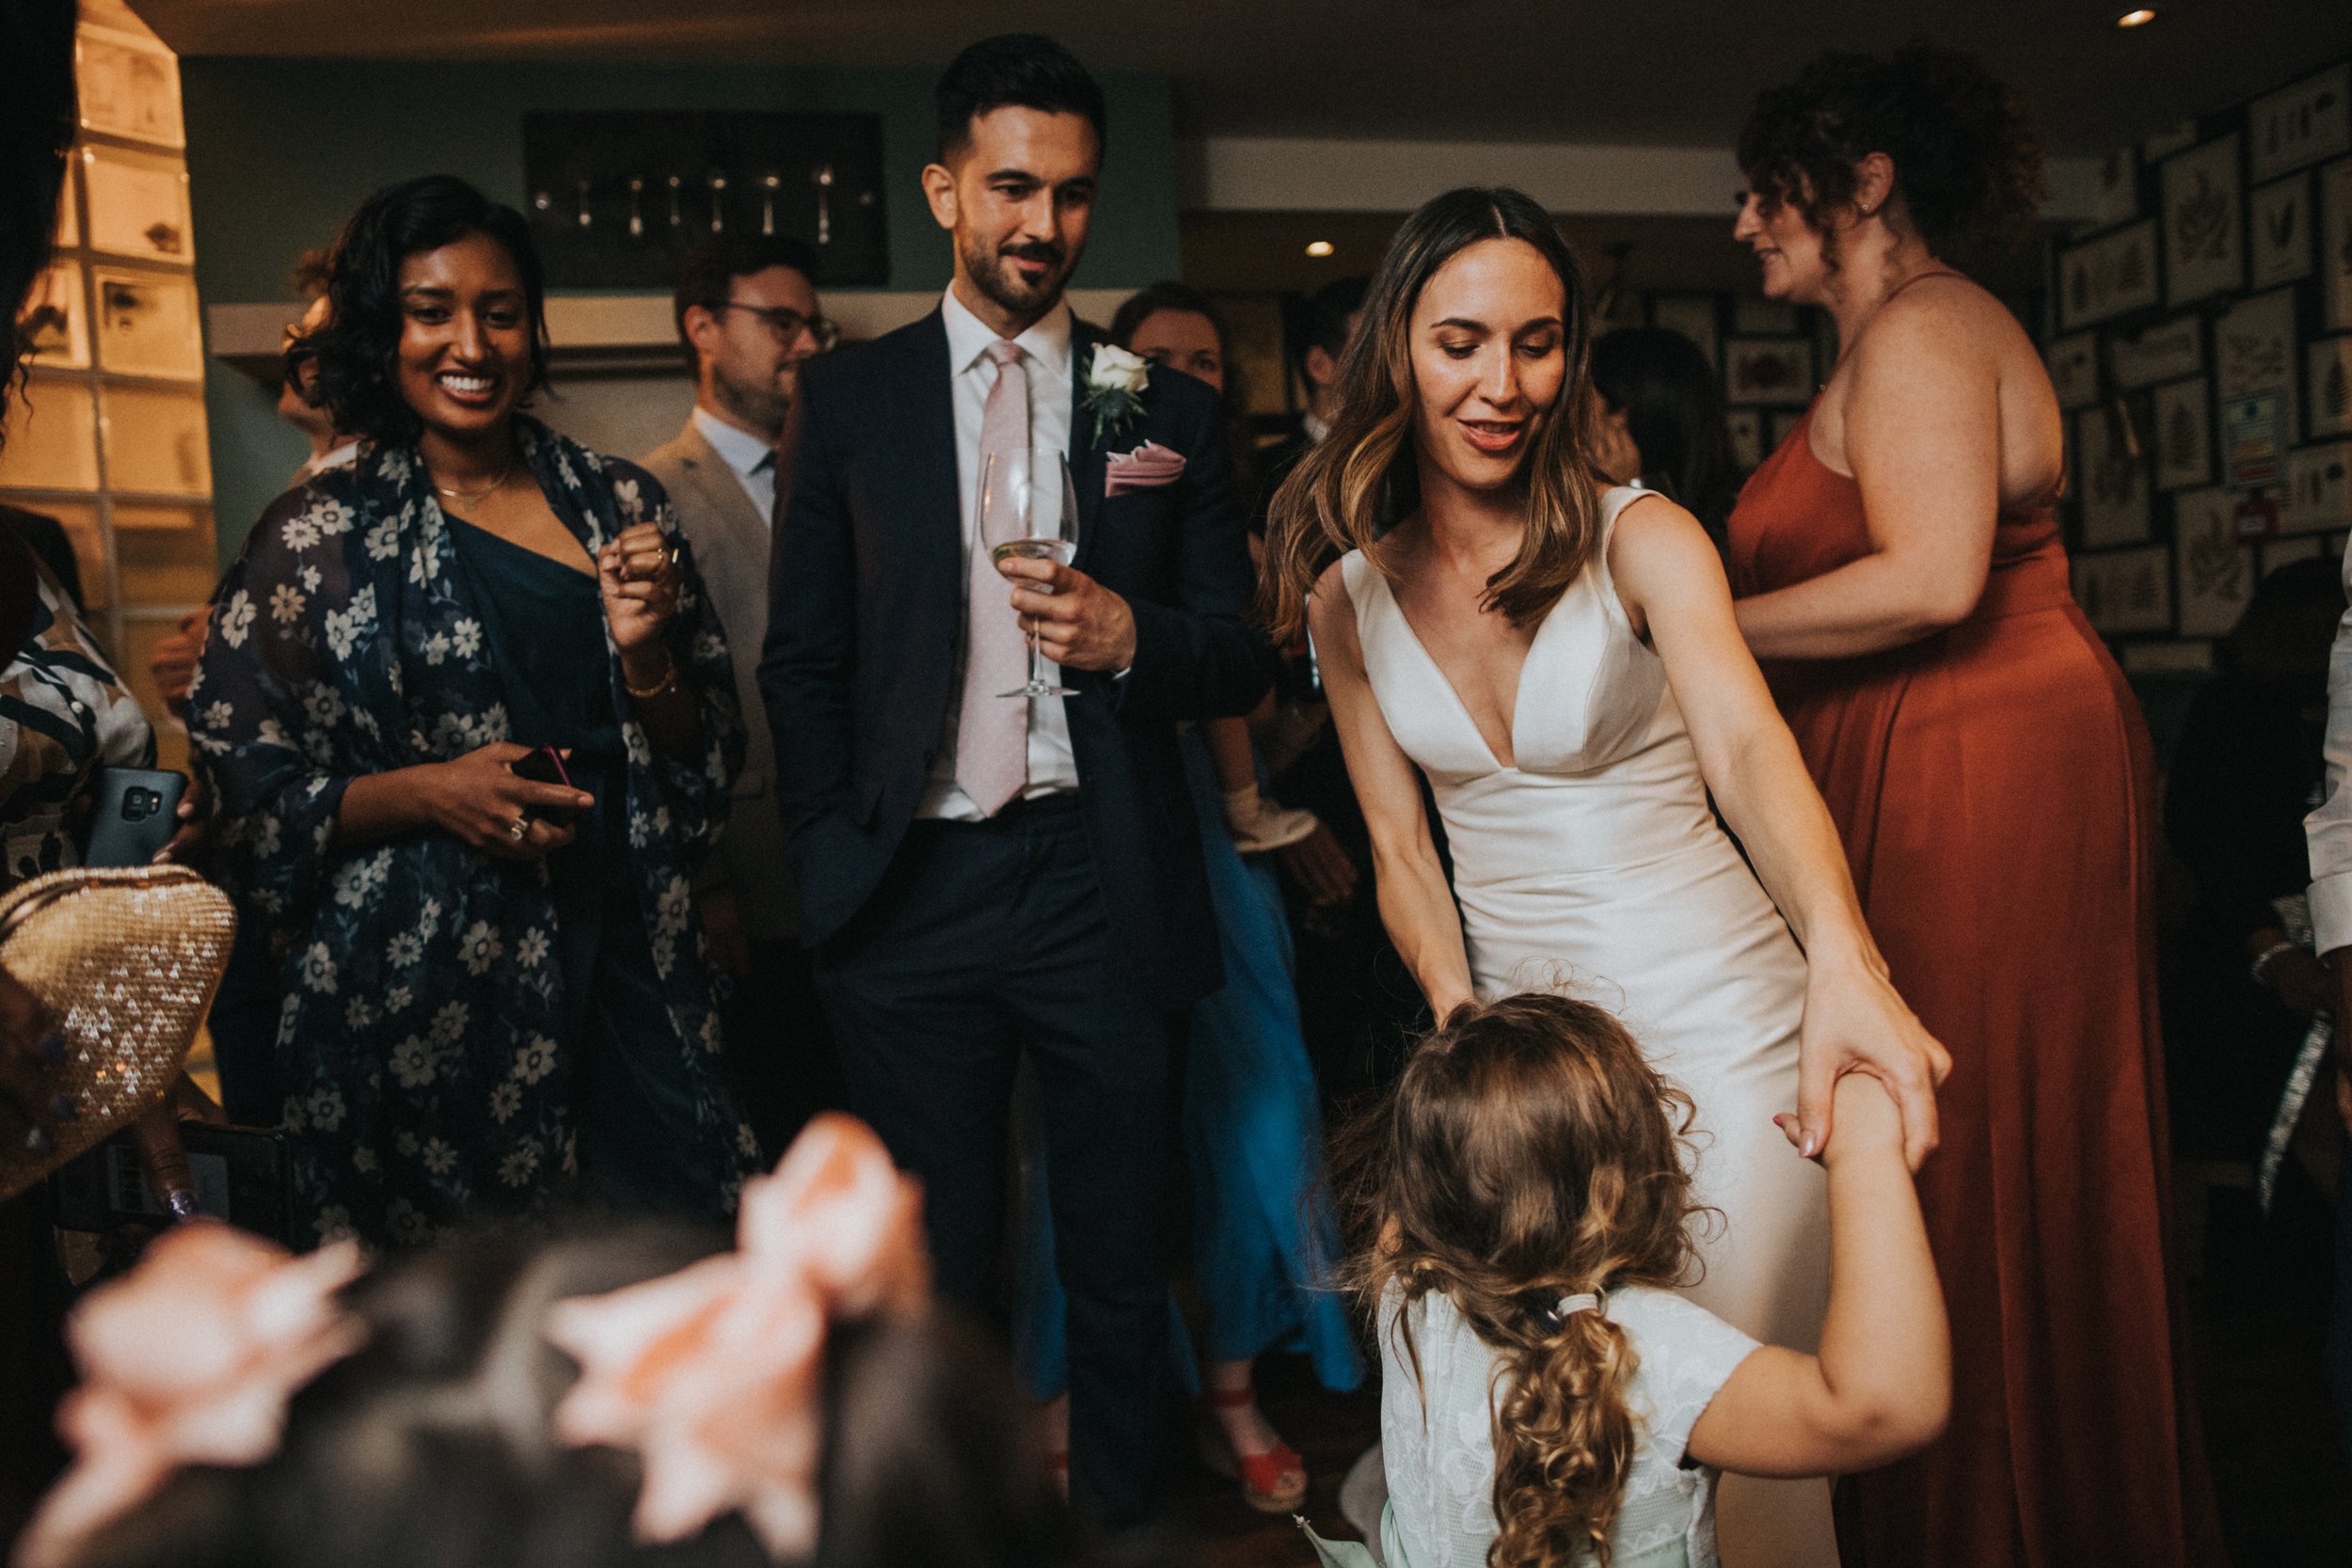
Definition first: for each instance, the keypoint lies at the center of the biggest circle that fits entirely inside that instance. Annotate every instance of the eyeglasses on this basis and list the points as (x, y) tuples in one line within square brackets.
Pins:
[(789, 324)]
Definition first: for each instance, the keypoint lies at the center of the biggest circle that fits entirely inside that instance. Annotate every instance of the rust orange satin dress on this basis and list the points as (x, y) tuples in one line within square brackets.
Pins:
[(1995, 790)]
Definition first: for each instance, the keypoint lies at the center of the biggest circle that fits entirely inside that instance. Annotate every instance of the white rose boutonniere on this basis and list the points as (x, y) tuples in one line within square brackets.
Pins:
[(1115, 380)]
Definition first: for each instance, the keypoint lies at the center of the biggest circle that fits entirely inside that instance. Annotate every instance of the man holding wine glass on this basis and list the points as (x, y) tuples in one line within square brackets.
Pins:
[(1011, 564)]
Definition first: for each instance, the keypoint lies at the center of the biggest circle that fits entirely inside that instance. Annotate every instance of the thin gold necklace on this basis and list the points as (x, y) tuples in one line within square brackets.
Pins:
[(465, 495)]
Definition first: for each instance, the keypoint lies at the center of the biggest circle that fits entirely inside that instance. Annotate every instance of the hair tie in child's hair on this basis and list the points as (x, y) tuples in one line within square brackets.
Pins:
[(1590, 1301), (713, 1375), (188, 1359)]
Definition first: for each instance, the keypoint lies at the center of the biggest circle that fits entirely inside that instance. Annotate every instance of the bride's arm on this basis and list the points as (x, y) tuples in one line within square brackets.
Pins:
[(1416, 905), (1923, 437), (1672, 584)]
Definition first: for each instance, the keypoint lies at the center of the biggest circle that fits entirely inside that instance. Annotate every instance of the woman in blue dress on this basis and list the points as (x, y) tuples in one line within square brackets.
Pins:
[(492, 987), (1263, 1235)]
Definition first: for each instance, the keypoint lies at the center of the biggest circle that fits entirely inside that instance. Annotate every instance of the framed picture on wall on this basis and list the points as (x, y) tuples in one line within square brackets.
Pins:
[(129, 87), (2165, 351), (2278, 232), (2203, 225), (156, 441), (1779, 425), (2165, 658), (2119, 187), (2073, 365), (2182, 423), (2126, 592), (2179, 136), (55, 322), (1692, 315), (138, 205), (2300, 123), (2213, 574), (2335, 245), (1768, 369), (2107, 276), (2318, 497), (1763, 317), (147, 324), (2254, 354), (52, 441), (2330, 389), (69, 231), (2277, 552), (1746, 426), (2112, 468)]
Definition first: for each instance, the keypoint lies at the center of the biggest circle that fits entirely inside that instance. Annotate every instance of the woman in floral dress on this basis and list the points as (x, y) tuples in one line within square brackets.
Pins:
[(493, 987)]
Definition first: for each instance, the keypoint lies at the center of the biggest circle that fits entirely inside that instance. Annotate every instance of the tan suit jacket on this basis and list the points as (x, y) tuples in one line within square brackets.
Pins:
[(731, 539)]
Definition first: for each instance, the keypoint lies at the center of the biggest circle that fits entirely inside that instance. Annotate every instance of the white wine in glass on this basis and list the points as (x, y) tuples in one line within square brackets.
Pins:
[(1029, 512)]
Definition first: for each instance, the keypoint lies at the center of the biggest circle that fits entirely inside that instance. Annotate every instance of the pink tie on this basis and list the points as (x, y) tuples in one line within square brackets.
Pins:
[(992, 730)]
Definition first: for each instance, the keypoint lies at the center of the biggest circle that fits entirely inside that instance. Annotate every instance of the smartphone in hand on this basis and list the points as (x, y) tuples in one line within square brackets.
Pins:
[(544, 765), (137, 812)]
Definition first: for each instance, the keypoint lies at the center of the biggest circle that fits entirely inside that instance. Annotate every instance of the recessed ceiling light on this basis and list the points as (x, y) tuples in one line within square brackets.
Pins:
[(2139, 18), (1318, 248)]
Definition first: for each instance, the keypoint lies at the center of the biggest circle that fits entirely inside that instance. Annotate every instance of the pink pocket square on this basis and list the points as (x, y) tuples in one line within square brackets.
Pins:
[(1147, 467)]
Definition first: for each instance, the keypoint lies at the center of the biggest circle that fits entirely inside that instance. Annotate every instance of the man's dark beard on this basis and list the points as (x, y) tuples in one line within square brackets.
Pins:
[(990, 277), (762, 407)]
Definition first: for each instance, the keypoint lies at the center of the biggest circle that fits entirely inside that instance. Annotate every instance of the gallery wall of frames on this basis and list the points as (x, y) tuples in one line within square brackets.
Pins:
[(109, 436), (2200, 336)]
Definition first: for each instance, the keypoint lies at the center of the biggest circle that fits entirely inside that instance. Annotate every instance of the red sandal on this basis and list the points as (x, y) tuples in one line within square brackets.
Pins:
[(1272, 1483)]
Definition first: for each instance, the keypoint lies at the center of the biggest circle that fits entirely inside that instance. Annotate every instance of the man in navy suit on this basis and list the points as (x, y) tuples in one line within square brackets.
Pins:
[(983, 877)]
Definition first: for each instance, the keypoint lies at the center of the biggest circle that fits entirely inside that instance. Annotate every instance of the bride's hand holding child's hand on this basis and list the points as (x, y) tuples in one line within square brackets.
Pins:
[(1867, 1123), (1855, 1023)]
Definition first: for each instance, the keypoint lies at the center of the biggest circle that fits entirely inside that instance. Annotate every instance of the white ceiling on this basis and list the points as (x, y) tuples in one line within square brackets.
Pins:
[(1680, 73)]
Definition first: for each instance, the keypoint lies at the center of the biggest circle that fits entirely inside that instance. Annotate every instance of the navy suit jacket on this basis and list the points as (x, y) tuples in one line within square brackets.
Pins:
[(865, 629)]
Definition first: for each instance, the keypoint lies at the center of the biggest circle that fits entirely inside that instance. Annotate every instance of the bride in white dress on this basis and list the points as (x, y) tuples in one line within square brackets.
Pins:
[(1560, 662)]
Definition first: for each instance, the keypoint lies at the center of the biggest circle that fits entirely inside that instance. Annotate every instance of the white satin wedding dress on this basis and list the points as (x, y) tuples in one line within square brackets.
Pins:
[(1593, 866)]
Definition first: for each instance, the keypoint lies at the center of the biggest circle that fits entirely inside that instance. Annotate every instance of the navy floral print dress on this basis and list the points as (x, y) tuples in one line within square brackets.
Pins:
[(422, 1036)]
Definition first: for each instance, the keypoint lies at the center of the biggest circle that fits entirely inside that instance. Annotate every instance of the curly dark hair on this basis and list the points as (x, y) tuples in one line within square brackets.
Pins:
[(1968, 155), (357, 349)]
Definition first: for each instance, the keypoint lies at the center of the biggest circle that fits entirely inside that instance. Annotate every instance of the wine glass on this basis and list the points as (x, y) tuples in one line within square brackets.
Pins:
[(1029, 509)]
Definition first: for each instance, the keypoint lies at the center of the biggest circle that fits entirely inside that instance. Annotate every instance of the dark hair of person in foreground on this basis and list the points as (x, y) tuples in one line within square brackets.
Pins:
[(431, 1448), (356, 349)]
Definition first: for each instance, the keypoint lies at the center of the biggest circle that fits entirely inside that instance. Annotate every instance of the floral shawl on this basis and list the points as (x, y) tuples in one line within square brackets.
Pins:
[(422, 1003)]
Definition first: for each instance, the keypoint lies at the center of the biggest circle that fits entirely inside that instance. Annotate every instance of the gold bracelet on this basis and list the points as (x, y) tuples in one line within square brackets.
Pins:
[(668, 680)]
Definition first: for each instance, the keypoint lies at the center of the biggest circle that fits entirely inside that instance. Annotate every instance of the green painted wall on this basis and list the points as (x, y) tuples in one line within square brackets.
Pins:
[(279, 152)]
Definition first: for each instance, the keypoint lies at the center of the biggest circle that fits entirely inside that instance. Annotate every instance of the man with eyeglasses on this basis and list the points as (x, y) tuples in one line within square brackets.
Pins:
[(748, 318)]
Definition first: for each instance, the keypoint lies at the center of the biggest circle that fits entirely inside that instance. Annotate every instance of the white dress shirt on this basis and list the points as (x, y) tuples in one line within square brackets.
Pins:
[(971, 372), (2328, 830), (752, 460), (335, 458)]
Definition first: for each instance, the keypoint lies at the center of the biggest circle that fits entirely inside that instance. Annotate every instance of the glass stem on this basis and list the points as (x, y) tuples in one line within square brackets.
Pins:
[(1037, 661)]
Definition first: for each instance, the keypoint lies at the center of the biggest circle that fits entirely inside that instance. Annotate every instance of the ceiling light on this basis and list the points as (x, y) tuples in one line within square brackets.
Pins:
[(1318, 248), (2139, 18)]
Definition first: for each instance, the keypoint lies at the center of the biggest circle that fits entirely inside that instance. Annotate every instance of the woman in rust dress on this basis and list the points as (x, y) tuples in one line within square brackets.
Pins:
[(1901, 579)]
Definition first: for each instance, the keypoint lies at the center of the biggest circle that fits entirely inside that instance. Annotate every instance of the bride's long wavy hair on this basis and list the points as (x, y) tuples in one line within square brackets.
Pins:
[(1528, 1152), (1364, 475)]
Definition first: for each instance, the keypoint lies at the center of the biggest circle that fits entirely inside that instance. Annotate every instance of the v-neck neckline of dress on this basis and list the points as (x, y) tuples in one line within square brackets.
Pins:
[(1518, 684)]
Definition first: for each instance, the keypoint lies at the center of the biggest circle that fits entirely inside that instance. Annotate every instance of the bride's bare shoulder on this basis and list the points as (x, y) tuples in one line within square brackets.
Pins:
[(1332, 610)]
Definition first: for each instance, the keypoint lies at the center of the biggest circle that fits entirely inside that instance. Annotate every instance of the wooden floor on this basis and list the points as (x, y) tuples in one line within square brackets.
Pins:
[(2260, 1301)]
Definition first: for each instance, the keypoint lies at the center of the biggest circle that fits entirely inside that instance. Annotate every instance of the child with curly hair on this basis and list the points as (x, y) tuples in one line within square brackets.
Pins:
[(1550, 1399)]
